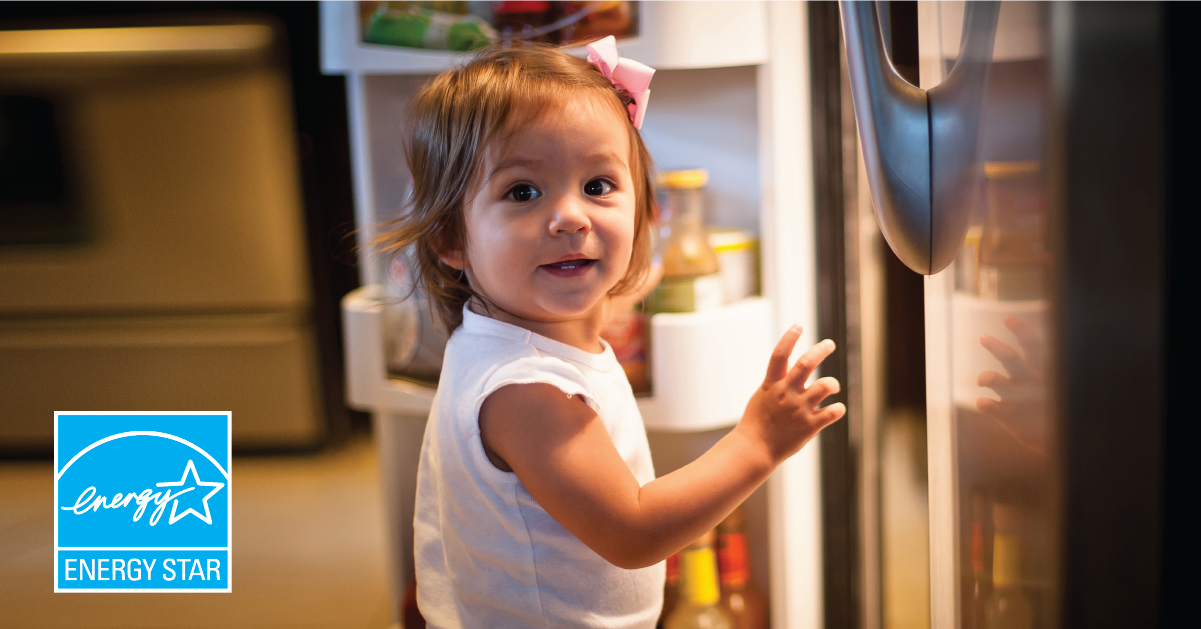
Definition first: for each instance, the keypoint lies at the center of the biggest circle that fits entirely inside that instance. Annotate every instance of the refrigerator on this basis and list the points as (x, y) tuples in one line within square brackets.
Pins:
[(1042, 227), (1021, 157)]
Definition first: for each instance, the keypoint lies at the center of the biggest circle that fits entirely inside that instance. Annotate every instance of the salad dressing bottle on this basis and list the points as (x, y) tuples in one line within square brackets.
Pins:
[(691, 277)]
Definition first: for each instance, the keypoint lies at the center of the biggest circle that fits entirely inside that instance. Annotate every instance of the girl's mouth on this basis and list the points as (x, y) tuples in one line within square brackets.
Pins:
[(569, 268)]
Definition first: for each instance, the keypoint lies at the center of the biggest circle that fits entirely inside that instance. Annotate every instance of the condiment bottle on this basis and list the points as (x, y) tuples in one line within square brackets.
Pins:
[(745, 603), (691, 278), (699, 595)]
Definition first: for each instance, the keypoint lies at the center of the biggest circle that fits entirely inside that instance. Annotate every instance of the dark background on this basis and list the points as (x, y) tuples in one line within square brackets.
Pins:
[(320, 115)]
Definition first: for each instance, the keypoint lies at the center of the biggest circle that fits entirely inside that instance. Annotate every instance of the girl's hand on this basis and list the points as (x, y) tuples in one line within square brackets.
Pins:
[(783, 414), (1022, 409)]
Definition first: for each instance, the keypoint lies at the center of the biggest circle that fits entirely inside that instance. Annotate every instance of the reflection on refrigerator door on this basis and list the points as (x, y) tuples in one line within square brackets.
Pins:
[(998, 503)]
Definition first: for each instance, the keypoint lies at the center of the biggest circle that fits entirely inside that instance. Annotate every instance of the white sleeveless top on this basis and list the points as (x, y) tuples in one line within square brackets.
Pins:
[(486, 553)]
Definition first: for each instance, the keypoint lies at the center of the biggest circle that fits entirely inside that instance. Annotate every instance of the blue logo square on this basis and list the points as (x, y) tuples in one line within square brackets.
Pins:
[(142, 502)]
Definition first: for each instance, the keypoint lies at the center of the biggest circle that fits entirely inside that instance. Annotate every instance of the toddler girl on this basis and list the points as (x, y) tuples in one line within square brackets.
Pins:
[(530, 217)]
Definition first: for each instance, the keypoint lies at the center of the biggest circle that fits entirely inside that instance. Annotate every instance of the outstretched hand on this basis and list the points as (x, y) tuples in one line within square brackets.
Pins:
[(783, 414), (1021, 411)]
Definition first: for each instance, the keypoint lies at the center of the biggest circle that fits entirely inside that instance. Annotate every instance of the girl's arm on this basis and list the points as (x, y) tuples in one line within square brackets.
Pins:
[(561, 452)]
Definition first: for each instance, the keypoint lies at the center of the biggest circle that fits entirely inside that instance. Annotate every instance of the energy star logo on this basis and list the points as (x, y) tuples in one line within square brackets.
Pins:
[(142, 502)]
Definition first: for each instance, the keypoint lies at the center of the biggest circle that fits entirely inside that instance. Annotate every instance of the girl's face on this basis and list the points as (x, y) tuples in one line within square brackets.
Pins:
[(551, 228)]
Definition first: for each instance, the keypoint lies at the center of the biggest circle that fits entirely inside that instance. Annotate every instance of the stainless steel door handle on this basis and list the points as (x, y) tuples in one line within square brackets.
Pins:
[(919, 146)]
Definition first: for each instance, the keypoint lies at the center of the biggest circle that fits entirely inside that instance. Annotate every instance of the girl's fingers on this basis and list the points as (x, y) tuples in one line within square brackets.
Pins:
[(778, 365), (1013, 362), (800, 372), (820, 390), (996, 382), (829, 414), (999, 410), (1031, 344)]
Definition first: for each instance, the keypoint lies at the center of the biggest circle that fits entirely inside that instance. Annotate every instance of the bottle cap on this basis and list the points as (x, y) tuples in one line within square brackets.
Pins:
[(684, 179)]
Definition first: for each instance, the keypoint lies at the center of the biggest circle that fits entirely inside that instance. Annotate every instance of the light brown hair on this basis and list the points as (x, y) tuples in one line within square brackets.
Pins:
[(452, 121)]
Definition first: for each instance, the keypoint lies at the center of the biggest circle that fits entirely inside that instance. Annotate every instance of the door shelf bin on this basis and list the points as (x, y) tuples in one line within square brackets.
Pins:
[(705, 365)]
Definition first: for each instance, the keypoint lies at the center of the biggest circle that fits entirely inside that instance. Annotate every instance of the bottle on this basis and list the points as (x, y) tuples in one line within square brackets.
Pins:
[(1007, 607), (743, 601), (691, 275), (699, 595)]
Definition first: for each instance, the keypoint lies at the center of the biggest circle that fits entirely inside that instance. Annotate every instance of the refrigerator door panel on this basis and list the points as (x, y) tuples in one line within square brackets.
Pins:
[(993, 497)]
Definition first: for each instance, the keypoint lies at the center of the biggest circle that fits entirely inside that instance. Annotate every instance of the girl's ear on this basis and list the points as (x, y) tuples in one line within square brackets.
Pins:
[(453, 258), (450, 251)]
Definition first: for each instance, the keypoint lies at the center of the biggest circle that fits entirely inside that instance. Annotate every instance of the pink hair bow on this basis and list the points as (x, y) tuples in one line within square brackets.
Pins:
[(626, 74)]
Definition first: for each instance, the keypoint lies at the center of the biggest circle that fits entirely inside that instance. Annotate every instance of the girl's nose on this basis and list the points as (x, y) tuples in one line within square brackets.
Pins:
[(569, 218)]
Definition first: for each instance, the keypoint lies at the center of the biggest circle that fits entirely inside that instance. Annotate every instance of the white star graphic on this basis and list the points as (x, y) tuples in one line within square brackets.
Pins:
[(191, 467)]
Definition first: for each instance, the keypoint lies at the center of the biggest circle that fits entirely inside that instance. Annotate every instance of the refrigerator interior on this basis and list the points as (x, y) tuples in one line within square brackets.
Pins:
[(742, 118)]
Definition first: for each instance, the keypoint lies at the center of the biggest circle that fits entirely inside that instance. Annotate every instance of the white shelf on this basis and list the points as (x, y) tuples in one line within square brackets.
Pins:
[(687, 35)]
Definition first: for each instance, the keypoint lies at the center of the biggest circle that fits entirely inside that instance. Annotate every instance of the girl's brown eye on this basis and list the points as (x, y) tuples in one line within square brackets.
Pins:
[(523, 192), (598, 187)]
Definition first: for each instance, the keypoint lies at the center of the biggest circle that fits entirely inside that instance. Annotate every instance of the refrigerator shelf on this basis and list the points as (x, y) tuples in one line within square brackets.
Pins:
[(675, 36)]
